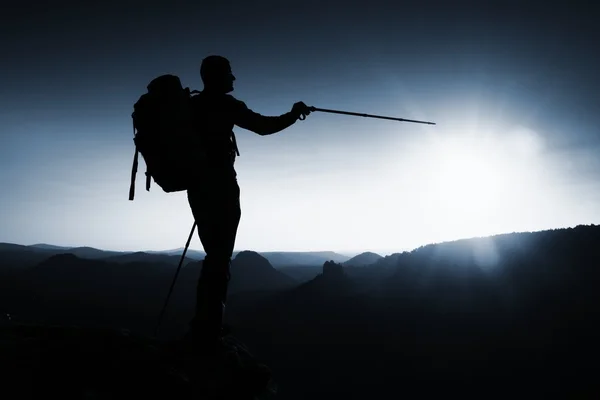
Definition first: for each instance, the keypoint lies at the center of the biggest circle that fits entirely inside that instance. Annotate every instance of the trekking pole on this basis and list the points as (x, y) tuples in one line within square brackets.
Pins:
[(302, 117), (162, 312)]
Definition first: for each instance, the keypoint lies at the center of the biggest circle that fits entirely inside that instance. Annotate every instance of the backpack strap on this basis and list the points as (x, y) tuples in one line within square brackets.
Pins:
[(134, 168), (234, 143), (133, 173), (148, 180)]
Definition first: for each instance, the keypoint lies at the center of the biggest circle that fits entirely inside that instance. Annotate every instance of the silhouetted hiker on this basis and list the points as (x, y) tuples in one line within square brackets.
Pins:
[(215, 197)]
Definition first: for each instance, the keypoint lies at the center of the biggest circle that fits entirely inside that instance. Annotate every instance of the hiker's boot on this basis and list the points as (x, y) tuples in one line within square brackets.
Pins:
[(205, 328)]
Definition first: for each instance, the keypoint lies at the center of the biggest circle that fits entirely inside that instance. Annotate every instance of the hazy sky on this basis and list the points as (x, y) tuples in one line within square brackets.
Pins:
[(513, 89)]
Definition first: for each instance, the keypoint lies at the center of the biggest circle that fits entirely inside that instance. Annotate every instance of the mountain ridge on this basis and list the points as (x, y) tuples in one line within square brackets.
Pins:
[(276, 258), (363, 259)]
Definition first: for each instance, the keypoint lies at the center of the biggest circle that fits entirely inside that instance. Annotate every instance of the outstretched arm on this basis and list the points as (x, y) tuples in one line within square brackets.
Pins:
[(260, 124)]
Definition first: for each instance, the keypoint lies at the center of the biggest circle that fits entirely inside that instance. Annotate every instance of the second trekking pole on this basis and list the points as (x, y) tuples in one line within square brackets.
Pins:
[(162, 312)]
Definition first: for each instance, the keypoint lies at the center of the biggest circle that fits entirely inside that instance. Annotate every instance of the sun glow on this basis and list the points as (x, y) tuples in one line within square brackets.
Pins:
[(473, 184), (467, 178)]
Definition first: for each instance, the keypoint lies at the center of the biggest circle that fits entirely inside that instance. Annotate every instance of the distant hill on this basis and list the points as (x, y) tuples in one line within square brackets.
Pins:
[(83, 252), (332, 281), (298, 258), (93, 253), (193, 254), (20, 247), (46, 246), (143, 257), (363, 259), (17, 256), (250, 271)]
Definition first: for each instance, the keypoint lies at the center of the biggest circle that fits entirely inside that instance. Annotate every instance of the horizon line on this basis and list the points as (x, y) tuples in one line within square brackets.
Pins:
[(340, 252), (348, 253)]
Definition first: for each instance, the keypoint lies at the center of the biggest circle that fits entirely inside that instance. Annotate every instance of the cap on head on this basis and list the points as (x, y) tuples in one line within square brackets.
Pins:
[(214, 68)]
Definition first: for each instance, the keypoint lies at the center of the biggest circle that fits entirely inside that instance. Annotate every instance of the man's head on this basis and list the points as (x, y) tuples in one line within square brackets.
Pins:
[(216, 74)]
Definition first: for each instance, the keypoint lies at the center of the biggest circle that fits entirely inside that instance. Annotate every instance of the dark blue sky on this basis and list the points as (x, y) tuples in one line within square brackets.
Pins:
[(517, 80)]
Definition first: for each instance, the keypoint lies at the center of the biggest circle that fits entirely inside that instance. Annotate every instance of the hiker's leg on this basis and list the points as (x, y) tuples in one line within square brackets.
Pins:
[(228, 232), (217, 227), (228, 235), (217, 213), (203, 204)]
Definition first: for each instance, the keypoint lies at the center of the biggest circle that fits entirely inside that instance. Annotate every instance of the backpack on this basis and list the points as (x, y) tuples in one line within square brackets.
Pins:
[(163, 133)]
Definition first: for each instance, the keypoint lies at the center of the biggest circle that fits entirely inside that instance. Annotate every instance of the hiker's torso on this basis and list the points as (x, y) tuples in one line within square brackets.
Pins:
[(214, 120)]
